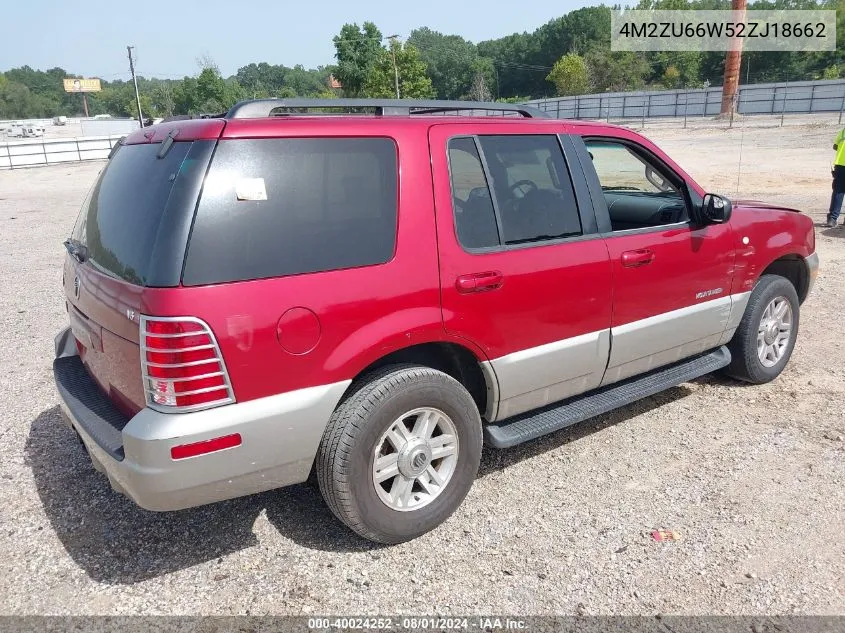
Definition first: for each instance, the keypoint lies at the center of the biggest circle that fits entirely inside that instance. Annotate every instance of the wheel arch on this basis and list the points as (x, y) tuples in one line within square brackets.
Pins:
[(457, 360), (795, 269)]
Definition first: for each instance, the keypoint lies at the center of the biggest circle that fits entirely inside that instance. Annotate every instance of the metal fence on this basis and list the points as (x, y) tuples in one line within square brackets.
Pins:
[(776, 98), (108, 127), (30, 153)]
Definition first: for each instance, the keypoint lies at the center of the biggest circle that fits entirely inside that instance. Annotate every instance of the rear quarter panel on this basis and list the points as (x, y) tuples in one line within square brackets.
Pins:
[(364, 313)]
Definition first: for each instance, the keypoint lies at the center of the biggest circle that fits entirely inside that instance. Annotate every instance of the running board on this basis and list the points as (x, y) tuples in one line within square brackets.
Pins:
[(534, 424)]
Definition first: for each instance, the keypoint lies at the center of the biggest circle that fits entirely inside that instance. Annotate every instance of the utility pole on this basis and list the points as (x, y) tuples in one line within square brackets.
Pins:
[(392, 39), (733, 61), (135, 81)]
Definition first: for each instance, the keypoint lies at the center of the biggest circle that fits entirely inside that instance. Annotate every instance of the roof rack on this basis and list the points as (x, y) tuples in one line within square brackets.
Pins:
[(260, 108)]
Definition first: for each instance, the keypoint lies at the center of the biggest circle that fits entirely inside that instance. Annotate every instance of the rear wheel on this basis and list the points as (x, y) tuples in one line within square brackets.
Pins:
[(400, 453), (765, 338)]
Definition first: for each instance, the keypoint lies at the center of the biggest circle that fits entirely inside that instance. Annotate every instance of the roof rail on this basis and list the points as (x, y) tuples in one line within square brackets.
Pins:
[(260, 108)]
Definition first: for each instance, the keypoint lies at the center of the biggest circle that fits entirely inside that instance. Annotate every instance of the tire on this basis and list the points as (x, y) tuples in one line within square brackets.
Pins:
[(746, 363), (361, 424)]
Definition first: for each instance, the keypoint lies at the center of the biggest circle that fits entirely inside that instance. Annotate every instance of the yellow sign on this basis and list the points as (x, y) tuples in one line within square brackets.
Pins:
[(82, 85)]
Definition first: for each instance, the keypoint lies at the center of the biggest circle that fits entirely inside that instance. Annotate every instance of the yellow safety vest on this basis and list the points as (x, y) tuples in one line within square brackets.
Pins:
[(839, 143)]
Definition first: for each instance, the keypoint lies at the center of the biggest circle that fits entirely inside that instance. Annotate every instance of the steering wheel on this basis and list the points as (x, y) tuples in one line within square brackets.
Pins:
[(517, 187)]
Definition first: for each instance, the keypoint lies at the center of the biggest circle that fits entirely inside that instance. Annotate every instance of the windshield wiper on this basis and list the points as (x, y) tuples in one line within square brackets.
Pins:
[(77, 249)]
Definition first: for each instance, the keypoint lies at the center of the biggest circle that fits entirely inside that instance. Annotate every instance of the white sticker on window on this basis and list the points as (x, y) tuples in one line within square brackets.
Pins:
[(251, 189)]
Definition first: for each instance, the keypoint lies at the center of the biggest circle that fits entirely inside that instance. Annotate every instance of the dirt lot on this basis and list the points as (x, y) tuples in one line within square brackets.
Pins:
[(752, 478)]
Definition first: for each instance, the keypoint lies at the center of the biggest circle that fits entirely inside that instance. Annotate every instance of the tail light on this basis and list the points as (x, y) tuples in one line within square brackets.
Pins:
[(181, 365)]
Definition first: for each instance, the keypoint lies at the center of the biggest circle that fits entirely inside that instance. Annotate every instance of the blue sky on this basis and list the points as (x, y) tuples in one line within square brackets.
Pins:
[(90, 37)]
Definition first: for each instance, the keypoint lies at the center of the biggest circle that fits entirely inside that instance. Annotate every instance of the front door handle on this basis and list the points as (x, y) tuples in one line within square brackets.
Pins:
[(479, 282), (637, 258)]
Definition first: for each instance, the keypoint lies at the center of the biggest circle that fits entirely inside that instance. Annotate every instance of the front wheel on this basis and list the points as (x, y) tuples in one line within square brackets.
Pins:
[(765, 338), (400, 454)]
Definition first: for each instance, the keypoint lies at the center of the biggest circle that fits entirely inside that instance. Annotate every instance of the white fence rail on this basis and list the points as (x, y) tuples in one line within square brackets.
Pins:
[(31, 153), (774, 98)]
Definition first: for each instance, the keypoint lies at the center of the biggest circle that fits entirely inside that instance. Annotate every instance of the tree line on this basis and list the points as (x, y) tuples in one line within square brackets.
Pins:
[(566, 56)]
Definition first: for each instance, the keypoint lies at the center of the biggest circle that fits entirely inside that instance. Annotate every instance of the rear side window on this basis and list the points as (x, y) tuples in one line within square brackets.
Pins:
[(522, 188), (275, 207), (475, 219), (120, 219)]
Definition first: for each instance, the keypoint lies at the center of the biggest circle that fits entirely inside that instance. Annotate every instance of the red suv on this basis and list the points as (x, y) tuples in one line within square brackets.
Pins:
[(372, 295)]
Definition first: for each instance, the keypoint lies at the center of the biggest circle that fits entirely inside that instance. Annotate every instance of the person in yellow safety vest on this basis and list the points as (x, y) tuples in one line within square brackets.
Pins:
[(838, 172)]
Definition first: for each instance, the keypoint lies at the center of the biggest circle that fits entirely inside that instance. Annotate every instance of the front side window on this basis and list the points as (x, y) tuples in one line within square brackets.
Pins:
[(522, 188), (638, 193)]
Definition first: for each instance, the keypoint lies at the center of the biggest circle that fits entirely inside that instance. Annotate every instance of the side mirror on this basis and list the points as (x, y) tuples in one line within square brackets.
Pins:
[(715, 209)]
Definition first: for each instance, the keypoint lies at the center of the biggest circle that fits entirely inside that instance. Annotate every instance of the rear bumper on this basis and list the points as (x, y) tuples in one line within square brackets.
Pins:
[(280, 436)]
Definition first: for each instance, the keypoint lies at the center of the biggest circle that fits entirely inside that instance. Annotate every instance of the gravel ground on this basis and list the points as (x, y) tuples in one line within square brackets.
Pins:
[(751, 478)]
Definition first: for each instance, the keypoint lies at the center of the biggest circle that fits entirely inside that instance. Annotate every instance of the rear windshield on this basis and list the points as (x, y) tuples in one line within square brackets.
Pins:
[(120, 219), (273, 207)]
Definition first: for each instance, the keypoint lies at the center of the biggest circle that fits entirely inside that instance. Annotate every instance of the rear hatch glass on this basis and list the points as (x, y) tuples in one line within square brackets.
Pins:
[(133, 226), (121, 217)]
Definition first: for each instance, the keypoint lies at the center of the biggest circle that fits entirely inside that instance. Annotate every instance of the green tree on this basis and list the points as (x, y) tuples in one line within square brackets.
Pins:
[(185, 96), (483, 86), (514, 58), (211, 90), (578, 31), (524, 60), (306, 82), (616, 71), (265, 80), (357, 51), (479, 90), (449, 60), (163, 99), (831, 72), (116, 99), (671, 77), (570, 76), (686, 64), (16, 101), (414, 83)]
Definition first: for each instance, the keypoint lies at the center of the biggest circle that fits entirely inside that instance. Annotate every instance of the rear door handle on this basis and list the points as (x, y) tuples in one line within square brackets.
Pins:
[(639, 257), (479, 282)]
